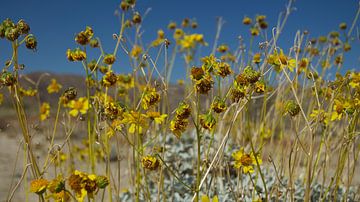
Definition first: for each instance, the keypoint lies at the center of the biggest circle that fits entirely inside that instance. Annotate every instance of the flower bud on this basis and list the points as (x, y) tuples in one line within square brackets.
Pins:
[(109, 59), (136, 18), (7, 79), (102, 182), (23, 27), (94, 43), (292, 108), (31, 42), (12, 34)]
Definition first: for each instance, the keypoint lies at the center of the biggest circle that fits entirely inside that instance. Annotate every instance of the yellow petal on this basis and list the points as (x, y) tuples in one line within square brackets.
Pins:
[(74, 112)]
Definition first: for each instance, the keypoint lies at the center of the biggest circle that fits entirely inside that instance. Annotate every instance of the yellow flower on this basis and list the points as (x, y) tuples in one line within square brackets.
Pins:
[(44, 111), (246, 161), (53, 87), (218, 105), (82, 184), (285, 61), (280, 61), (156, 116), (180, 82), (257, 58), (178, 34), (136, 120), (78, 106), (150, 98), (136, 51), (60, 197), (207, 121), (190, 41), (205, 198), (222, 48), (320, 115), (29, 92), (339, 109), (178, 126), (355, 80), (150, 162), (38, 186)]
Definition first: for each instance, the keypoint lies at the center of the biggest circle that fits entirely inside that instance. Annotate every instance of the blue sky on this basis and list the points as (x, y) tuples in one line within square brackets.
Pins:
[(55, 24)]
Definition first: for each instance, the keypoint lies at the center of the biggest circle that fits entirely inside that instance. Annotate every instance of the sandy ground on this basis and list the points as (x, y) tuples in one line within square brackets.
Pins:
[(9, 146)]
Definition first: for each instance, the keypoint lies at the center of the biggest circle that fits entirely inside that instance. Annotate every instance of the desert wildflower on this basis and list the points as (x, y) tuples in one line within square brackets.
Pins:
[(208, 63), (109, 79), (218, 105), (113, 110), (23, 27), (292, 107), (94, 43), (109, 59), (150, 98), (280, 61), (260, 86), (160, 39), (7, 79), (257, 58), (85, 36), (237, 92), (75, 55), (205, 198), (136, 51), (38, 186), (285, 61), (183, 111), (156, 116), (57, 184), (136, 120), (321, 116), (136, 19), (185, 22), (303, 64), (53, 87), (150, 162), (246, 161), (80, 105), (254, 31), (180, 82), (44, 111), (343, 26), (60, 197), (190, 41), (172, 25), (178, 34), (222, 69), (355, 80), (251, 75), (178, 126), (27, 92), (82, 184), (339, 108), (207, 121), (222, 48), (203, 83), (31, 42), (347, 47), (68, 95), (247, 21)]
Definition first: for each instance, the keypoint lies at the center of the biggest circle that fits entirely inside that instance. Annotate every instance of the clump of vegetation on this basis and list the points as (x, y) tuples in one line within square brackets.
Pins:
[(253, 123)]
